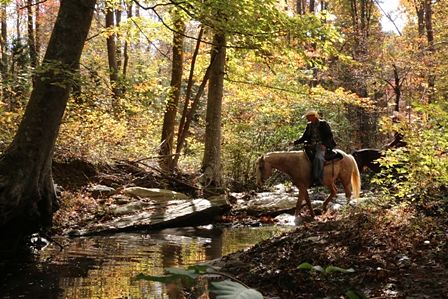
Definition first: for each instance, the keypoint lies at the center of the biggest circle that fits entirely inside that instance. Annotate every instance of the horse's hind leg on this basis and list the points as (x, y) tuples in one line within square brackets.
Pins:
[(348, 191), (333, 190), (347, 187)]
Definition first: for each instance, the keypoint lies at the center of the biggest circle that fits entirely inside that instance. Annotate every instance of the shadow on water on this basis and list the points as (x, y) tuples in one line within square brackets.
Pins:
[(103, 266)]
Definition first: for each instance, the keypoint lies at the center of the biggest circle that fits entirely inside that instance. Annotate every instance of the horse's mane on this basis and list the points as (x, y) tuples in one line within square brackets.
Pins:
[(285, 154)]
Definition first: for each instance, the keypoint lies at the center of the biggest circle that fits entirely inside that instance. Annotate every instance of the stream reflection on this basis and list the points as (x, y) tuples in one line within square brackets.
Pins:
[(103, 266)]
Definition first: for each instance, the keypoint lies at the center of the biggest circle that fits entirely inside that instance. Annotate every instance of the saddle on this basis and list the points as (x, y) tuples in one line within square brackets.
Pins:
[(332, 156)]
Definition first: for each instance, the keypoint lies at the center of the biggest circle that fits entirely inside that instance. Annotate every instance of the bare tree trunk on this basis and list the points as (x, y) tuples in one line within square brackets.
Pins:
[(397, 88), (323, 4), (112, 58), (117, 38), (312, 6), (27, 196), (211, 163), (187, 113), (169, 120), (4, 60), (38, 33), (190, 82), (420, 11), (431, 50), (31, 34), (300, 7), (18, 32), (125, 49)]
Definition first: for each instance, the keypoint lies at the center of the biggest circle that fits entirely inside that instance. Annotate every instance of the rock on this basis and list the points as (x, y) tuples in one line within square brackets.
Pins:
[(154, 193), (121, 199), (101, 191), (154, 214), (285, 219), (278, 201), (129, 208)]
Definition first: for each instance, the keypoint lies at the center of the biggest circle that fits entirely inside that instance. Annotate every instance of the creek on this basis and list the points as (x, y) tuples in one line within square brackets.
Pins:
[(104, 266)]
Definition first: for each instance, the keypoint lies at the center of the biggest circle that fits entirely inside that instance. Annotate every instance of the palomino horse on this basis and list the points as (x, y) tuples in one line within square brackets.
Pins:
[(297, 165)]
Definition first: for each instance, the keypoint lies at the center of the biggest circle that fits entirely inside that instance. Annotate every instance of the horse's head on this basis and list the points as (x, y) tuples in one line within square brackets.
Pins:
[(262, 170)]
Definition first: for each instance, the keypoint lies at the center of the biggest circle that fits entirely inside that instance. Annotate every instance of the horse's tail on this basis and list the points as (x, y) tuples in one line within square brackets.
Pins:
[(356, 178)]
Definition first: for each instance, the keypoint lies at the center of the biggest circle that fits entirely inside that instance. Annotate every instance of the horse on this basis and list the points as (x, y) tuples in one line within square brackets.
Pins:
[(368, 157), (298, 166)]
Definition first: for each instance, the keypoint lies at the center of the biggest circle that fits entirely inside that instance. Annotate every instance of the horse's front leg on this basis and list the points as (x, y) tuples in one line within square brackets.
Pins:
[(333, 190), (299, 203), (303, 195), (308, 203)]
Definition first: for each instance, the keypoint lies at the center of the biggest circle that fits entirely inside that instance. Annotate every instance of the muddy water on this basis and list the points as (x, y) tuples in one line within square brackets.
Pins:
[(103, 266)]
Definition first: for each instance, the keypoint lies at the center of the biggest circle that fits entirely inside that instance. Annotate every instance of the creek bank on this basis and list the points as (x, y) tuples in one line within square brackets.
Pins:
[(389, 256), (395, 252)]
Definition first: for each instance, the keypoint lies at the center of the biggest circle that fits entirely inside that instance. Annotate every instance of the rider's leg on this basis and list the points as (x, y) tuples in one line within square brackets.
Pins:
[(318, 164)]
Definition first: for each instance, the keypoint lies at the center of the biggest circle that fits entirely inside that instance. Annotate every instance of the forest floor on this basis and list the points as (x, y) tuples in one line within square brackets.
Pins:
[(393, 252)]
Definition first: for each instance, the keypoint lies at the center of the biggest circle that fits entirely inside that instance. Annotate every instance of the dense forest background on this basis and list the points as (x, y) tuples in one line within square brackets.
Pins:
[(207, 86)]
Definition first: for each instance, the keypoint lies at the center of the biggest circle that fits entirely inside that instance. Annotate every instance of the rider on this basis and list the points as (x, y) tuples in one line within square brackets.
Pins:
[(319, 137)]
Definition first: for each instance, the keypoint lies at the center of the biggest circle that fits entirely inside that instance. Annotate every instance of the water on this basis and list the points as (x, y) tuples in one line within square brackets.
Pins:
[(103, 266)]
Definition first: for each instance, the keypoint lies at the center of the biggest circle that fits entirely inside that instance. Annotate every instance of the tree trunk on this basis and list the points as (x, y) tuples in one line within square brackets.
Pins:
[(27, 196), (117, 38), (38, 32), (189, 85), (431, 50), (18, 32), (4, 60), (420, 11), (211, 163), (312, 6), (125, 48), (188, 111), (323, 5), (169, 119), (31, 34), (183, 130), (397, 88), (112, 57)]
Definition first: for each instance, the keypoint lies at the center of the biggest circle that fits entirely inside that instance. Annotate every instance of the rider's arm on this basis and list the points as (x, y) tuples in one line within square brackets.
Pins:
[(304, 137)]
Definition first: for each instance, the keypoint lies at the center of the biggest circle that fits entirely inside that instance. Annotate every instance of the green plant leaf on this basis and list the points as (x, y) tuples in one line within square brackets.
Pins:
[(354, 295), (188, 276), (305, 266), (308, 266), (200, 269), (331, 269), (182, 272), (232, 290), (351, 295)]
